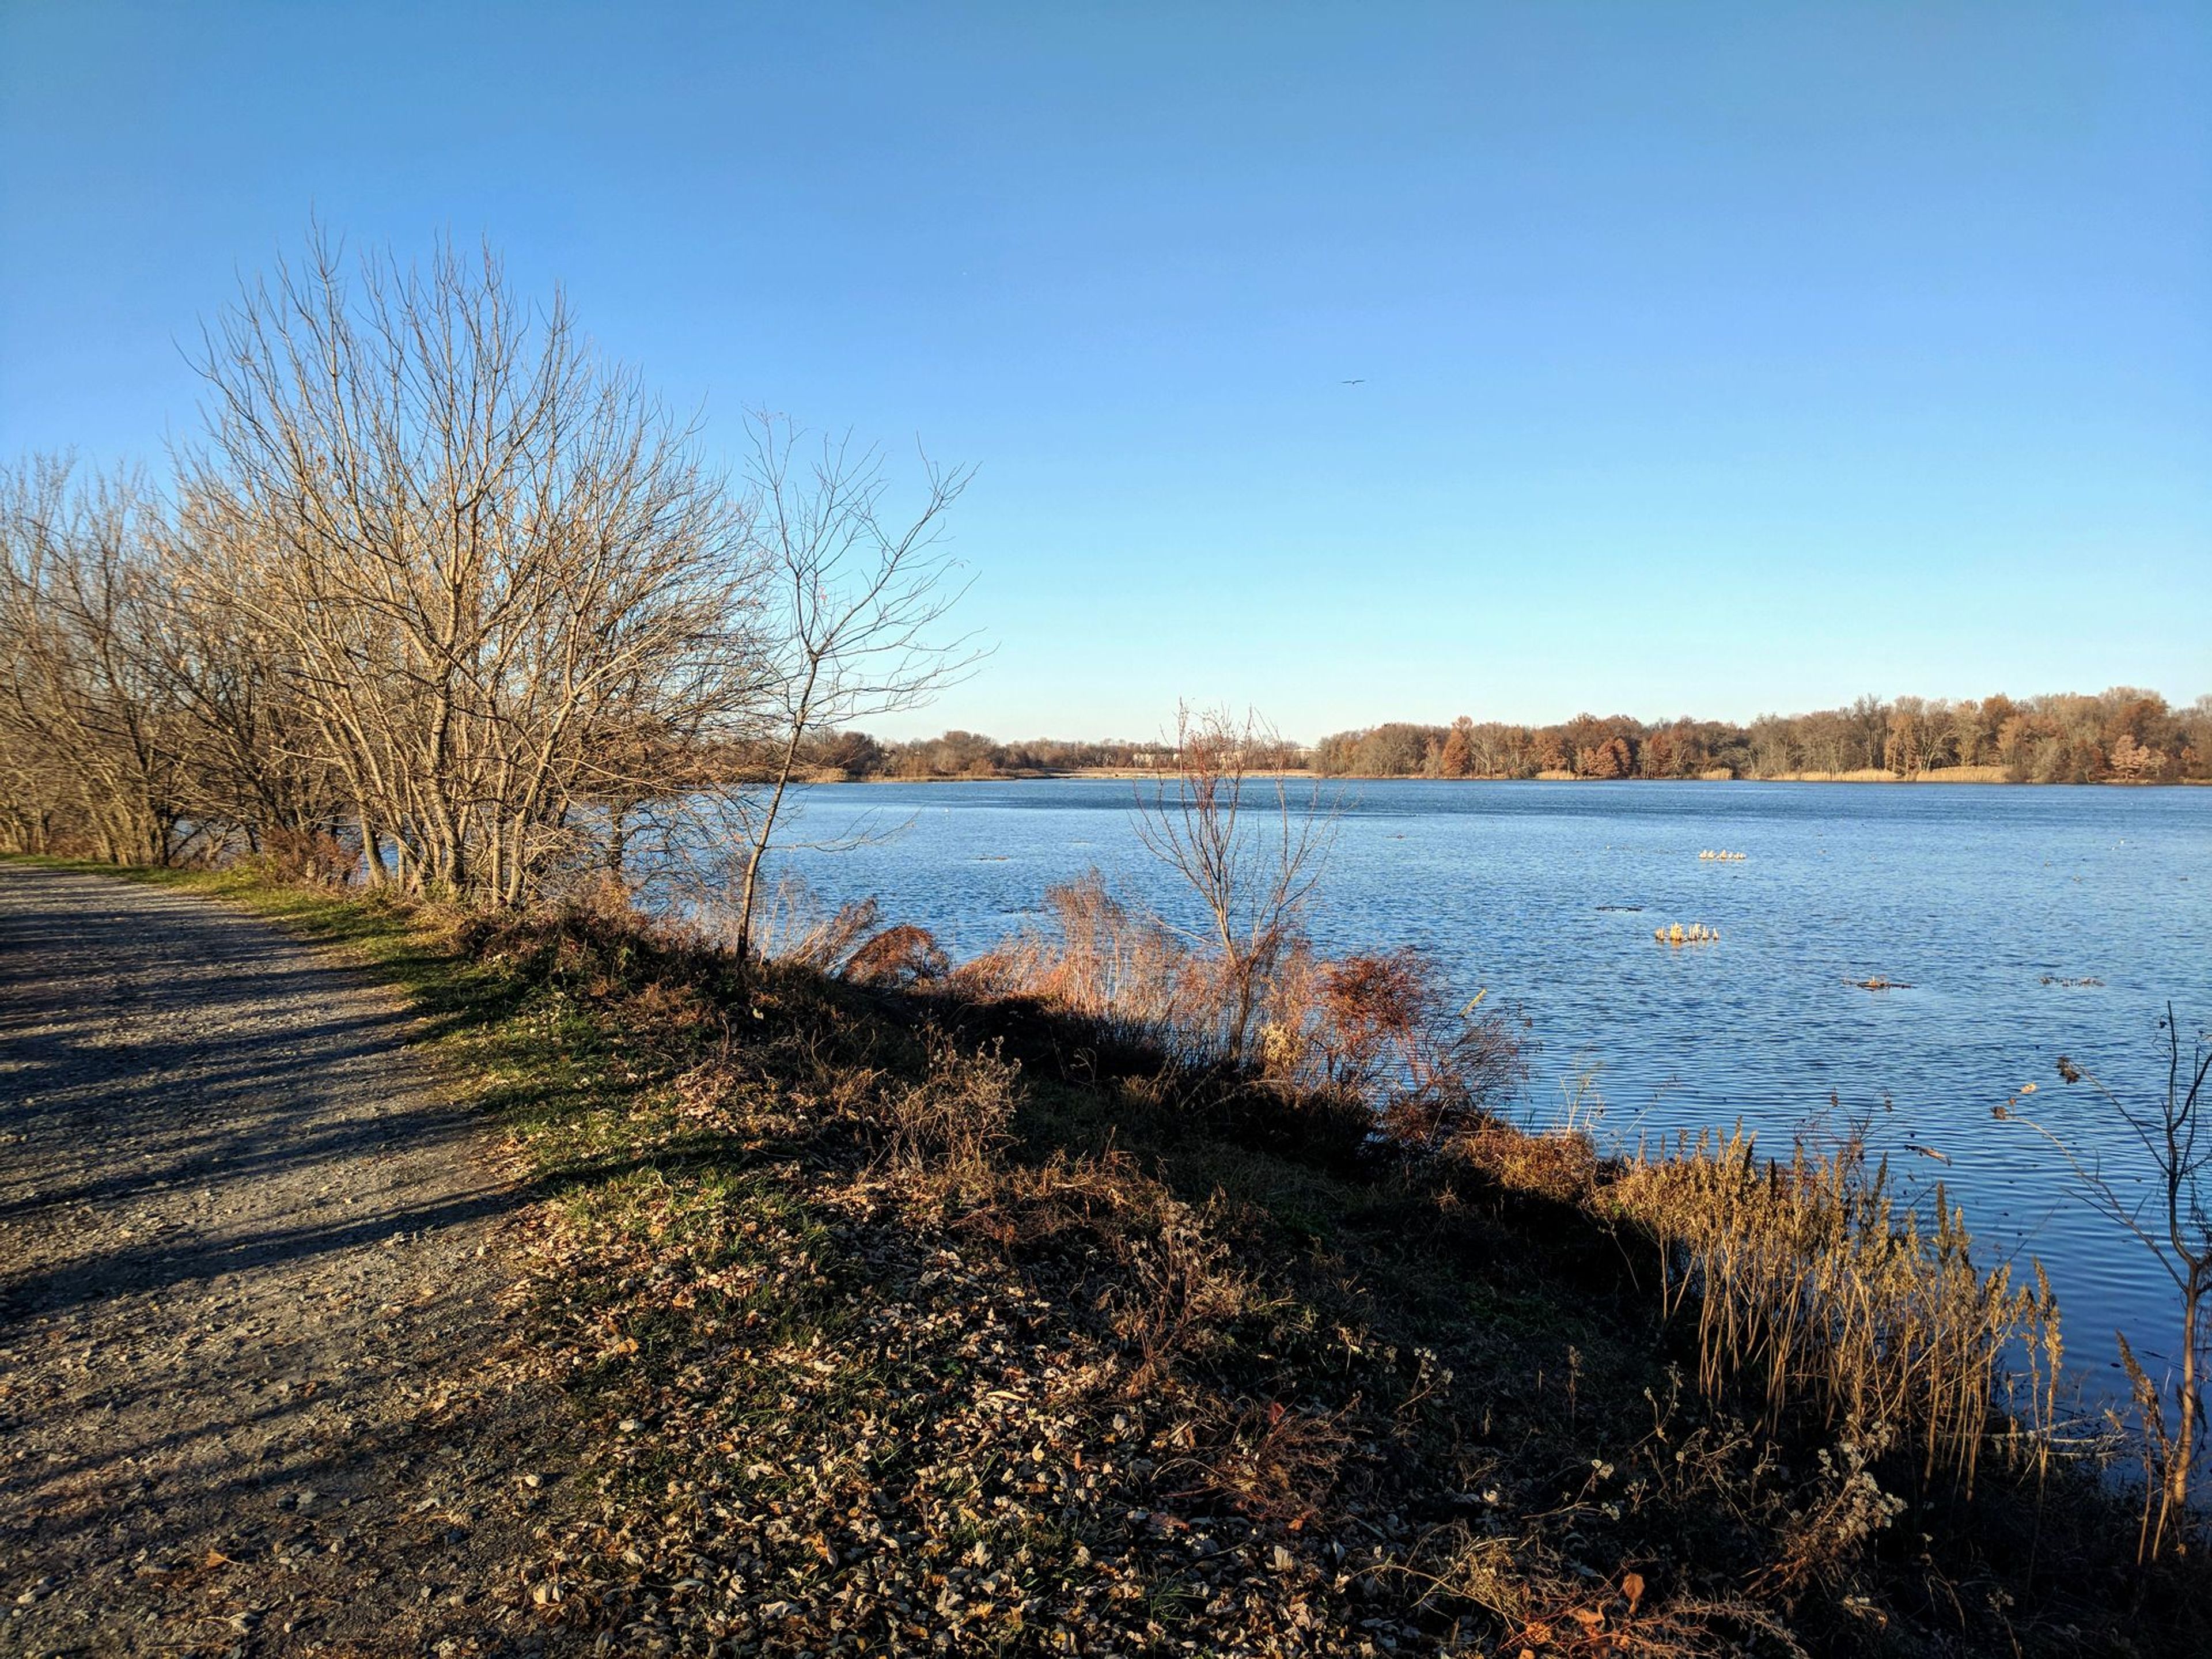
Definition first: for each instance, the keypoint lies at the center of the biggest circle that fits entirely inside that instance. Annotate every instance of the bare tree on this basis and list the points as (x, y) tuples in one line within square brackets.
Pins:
[(1250, 853), (861, 599), (256, 766), (91, 734), (446, 591), (2171, 1218), (499, 577)]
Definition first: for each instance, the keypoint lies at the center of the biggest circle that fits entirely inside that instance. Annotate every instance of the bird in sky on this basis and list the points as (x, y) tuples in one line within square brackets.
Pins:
[(1359, 382)]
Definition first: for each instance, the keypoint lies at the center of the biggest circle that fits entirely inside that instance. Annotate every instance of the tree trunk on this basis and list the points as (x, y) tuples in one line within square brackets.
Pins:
[(800, 711)]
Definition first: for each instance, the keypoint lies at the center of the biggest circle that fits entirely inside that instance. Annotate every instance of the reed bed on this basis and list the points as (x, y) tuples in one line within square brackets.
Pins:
[(1817, 1293)]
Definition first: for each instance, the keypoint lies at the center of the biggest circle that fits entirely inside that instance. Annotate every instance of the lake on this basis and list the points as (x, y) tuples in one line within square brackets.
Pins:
[(2020, 923)]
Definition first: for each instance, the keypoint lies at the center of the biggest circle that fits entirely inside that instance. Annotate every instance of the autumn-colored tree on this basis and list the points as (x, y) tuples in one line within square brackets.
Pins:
[(1905, 750), (2133, 764), (1457, 759), (1608, 759)]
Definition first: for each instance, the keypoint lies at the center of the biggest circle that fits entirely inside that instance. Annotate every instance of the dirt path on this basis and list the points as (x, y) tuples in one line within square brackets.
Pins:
[(248, 1269)]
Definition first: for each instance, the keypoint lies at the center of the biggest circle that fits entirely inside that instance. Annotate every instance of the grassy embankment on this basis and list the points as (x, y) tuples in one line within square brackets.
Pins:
[(900, 1318)]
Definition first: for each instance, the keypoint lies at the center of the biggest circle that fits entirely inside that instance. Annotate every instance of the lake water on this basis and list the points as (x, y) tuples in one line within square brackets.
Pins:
[(1990, 905)]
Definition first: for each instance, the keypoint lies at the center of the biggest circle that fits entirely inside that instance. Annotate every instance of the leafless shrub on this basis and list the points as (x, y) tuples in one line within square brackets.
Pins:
[(1251, 855), (1179, 1292), (1520, 1580), (307, 856), (1379, 1029), (1826, 1538), (1383, 1026), (899, 957), (828, 945), (594, 942)]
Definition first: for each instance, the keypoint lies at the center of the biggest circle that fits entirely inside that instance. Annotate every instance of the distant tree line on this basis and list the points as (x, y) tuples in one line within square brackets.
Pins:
[(958, 754), (971, 754), (2124, 735)]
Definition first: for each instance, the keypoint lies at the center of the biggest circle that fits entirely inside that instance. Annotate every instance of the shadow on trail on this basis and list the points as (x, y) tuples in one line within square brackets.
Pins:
[(162, 1267), (247, 1298)]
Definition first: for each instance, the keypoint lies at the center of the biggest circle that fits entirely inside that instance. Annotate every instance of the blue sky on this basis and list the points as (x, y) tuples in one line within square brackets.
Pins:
[(1714, 359)]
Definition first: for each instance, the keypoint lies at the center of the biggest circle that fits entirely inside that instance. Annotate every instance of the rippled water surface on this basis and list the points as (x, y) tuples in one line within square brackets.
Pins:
[(1990, 905)]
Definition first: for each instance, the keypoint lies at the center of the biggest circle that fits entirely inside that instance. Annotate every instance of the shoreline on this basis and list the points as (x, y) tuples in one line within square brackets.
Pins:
[(1979, 777)]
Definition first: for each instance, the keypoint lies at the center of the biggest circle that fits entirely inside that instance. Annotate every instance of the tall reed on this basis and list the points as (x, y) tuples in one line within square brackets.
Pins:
[(1816, 1291)]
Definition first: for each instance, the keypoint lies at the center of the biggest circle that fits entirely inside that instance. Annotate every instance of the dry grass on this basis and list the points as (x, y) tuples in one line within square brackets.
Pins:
[(1098, 959), (954, 1120), (1382, 1030), (797, 930), (1817, 1294)]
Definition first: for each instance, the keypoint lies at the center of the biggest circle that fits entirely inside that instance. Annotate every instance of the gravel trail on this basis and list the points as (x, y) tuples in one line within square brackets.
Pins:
[(249, 1270)]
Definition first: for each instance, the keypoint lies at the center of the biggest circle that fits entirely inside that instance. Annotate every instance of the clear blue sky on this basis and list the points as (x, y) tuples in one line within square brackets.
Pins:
[(1715, 359)]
